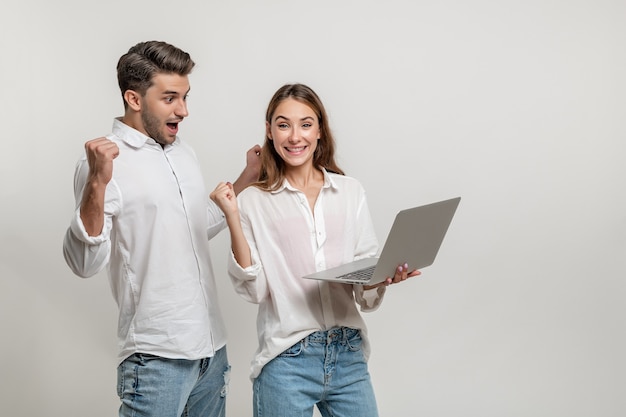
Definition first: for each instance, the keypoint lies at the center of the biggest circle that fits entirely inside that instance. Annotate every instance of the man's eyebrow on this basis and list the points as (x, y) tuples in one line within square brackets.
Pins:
[(173, 92)]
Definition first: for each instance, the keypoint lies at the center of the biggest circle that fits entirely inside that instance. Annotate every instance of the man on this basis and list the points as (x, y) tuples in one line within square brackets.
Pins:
[(143, 210)]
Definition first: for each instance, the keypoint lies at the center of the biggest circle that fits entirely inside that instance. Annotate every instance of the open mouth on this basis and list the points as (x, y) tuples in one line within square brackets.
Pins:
[(296, 150), (173, 127)]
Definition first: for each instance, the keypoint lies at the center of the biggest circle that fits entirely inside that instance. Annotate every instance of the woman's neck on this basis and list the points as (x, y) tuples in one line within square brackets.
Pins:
[(304, 177)]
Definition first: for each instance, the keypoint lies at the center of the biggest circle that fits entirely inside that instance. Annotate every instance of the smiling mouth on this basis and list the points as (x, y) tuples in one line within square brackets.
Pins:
[(298, 149)]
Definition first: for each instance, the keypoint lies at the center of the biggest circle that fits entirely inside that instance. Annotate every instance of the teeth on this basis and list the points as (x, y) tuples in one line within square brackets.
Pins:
[(295, 149)]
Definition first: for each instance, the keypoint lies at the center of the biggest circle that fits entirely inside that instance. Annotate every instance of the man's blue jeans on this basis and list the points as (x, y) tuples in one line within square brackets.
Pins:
[(326, 369), (151, 386)]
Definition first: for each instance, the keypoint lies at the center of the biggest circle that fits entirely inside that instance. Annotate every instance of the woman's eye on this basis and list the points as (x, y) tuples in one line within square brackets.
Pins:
[(283, 126)]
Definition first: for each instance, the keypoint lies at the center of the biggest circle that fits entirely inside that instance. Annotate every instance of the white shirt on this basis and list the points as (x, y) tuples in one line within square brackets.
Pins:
[(155, 241), (288, 241)]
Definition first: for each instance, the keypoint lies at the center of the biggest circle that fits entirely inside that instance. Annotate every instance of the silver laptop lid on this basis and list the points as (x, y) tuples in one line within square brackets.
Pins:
[(415, 237)]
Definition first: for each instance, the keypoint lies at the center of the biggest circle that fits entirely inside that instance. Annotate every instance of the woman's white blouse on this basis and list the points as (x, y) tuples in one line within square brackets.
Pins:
[(288, 241)]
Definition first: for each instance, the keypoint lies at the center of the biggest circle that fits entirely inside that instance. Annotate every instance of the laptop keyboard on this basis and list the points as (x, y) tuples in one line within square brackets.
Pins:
[(361, 275)]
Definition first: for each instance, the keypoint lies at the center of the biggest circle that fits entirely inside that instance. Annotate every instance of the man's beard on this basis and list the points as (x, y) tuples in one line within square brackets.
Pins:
[(152, 126)]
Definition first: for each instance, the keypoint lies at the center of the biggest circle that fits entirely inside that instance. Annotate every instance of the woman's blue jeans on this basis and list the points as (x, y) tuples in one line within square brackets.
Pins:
[(152, 386), (326, 369)]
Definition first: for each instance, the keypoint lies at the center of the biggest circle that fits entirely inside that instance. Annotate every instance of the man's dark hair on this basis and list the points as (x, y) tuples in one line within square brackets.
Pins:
[(136, 68)]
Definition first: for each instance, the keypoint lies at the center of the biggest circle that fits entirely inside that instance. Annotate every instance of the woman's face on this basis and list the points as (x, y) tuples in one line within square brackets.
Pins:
[(294, 131)]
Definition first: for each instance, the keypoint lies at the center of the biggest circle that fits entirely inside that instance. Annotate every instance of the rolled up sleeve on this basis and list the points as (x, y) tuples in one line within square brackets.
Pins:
[(86, 255)]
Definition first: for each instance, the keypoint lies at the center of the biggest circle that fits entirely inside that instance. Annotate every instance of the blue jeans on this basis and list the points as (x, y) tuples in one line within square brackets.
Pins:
[(326, 369), (150, 385)]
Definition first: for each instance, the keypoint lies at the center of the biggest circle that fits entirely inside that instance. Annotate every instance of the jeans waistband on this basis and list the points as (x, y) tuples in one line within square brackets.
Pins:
[(335, 334)]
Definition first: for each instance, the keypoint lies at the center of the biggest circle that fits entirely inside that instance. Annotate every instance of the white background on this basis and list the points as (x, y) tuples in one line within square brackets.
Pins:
[(516, 106)]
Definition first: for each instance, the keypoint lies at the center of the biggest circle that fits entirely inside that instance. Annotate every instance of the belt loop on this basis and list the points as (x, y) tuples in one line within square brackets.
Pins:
[(305, 342)]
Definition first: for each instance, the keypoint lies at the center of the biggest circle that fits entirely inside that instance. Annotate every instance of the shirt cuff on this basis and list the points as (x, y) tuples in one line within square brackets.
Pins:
[(244, 274), (78, 229), (369, 300)]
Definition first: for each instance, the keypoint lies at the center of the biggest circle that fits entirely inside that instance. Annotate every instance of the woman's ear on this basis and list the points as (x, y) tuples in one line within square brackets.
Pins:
[(268, 131)]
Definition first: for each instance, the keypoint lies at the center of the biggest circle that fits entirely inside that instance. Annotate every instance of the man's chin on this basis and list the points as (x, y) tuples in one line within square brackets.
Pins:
[(165, 140)]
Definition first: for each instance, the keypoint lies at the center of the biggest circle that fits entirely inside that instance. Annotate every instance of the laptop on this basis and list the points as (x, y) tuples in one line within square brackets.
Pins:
[(414, 238)]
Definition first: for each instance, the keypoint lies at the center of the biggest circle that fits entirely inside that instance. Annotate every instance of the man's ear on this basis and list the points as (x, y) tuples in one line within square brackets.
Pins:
[(133, 99)]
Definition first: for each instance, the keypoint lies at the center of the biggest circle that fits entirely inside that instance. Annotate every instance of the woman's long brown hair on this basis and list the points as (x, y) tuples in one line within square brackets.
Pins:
[(272, 171)]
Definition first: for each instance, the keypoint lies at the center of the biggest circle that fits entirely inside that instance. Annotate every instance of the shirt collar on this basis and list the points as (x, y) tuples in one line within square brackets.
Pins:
[(329, 182), (133, 137)]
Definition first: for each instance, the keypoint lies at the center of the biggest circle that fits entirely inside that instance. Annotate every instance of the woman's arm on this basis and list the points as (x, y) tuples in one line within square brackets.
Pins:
[(224, 196)]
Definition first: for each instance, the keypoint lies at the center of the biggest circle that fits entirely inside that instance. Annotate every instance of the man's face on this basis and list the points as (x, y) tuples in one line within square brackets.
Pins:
[(164, 106)]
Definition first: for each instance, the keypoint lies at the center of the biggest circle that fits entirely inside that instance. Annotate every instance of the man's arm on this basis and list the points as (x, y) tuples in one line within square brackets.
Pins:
[(251, 172), (100, 155), (85, 247)]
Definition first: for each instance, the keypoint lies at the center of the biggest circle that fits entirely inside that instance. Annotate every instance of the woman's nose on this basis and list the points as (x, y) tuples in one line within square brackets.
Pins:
[(294, 135)]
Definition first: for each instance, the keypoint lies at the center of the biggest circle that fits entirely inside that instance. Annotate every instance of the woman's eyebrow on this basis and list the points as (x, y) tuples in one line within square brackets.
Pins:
[(286, 118)]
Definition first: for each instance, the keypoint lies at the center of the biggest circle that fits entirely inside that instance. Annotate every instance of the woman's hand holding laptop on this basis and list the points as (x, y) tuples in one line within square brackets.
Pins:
[(402, 274)]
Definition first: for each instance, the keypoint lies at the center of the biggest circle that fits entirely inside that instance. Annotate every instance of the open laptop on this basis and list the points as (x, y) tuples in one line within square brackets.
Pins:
[(414, 238)]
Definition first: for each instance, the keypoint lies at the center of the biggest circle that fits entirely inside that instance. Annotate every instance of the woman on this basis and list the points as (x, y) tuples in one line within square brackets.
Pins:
[(304, 215)]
